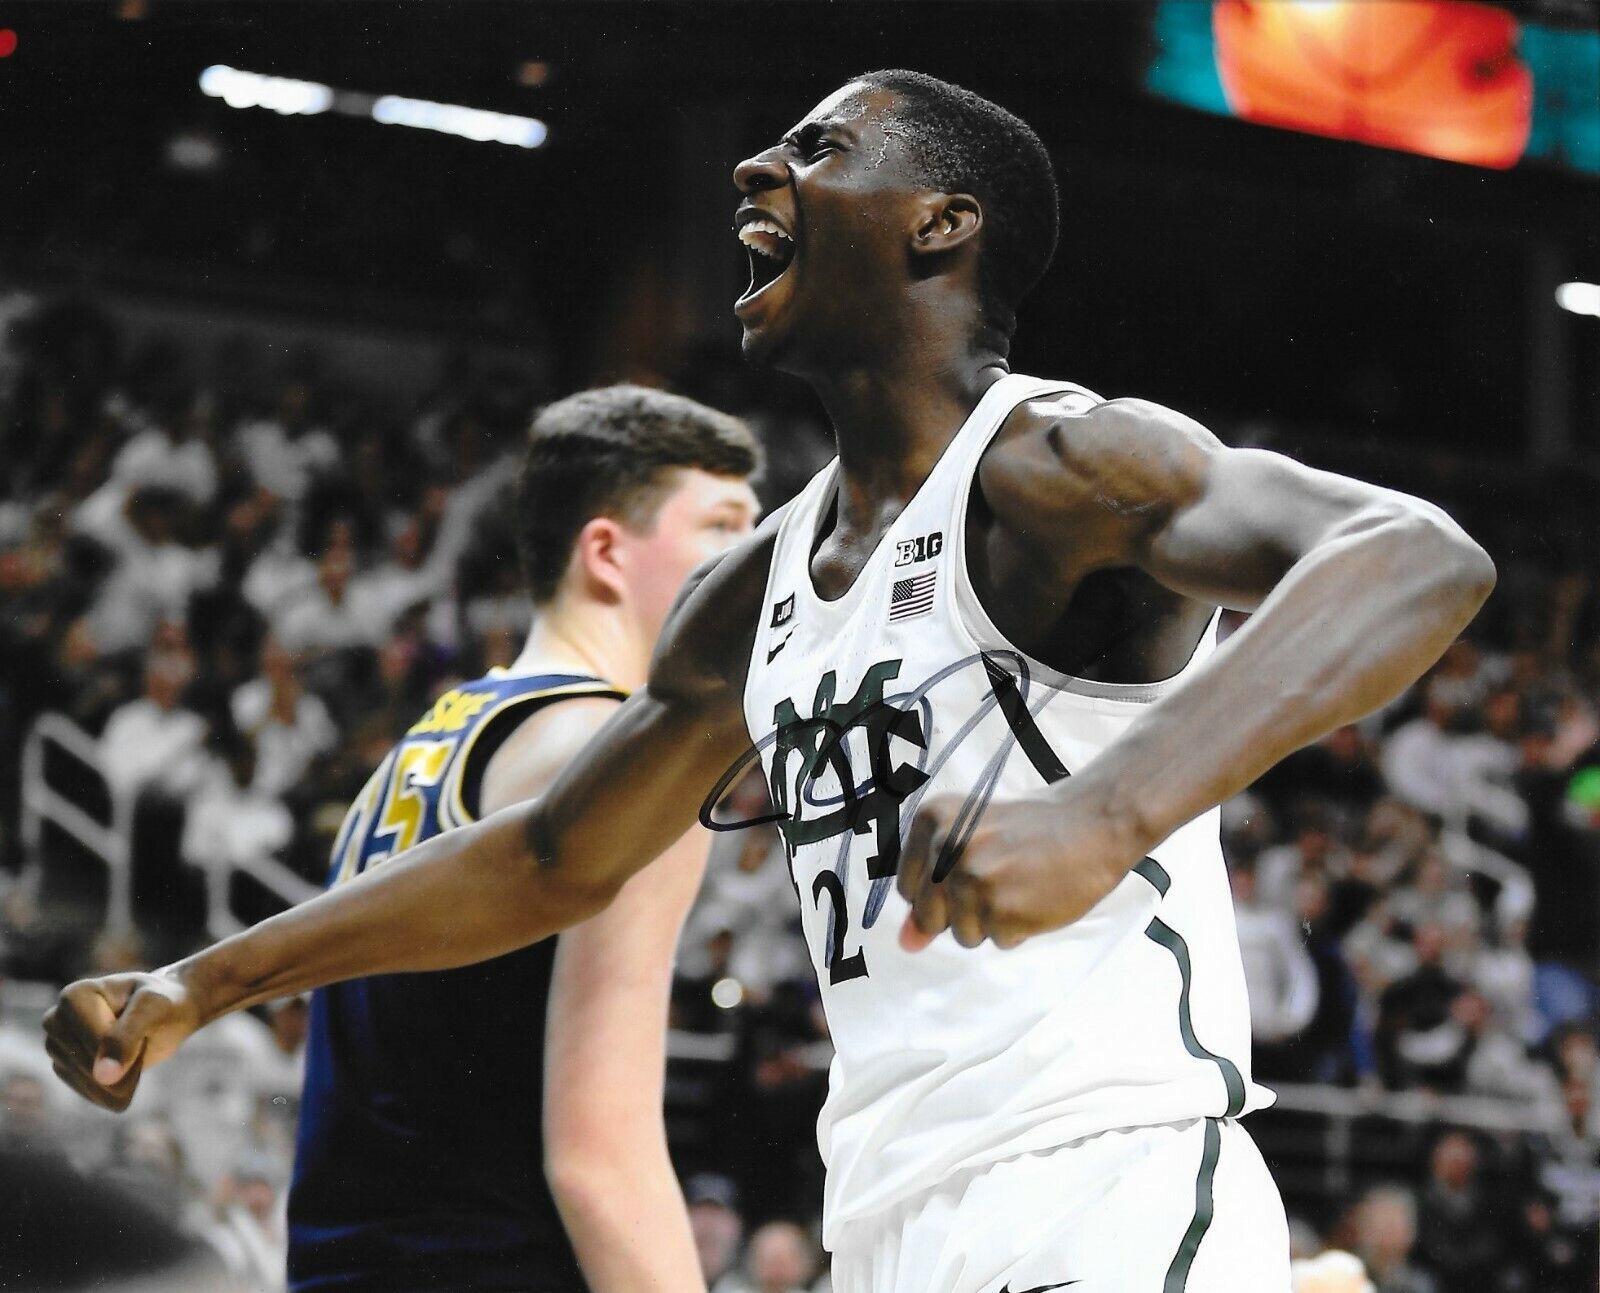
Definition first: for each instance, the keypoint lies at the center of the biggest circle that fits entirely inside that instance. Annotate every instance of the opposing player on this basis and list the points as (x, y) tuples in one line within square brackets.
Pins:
[(1000, 582), (424, 1158)]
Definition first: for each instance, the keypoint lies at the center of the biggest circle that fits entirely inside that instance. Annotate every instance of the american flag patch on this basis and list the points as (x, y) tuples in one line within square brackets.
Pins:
[(912, 597)]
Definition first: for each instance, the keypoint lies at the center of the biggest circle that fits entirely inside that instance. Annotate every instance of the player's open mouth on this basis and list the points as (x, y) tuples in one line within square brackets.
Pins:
[(770, 248)]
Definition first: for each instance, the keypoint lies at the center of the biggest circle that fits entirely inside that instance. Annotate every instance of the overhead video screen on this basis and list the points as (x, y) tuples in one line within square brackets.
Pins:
[(1466, 82)]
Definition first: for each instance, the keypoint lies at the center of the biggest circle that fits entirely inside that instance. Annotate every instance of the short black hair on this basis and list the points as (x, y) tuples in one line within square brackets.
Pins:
[(963, 143), (611, 452)]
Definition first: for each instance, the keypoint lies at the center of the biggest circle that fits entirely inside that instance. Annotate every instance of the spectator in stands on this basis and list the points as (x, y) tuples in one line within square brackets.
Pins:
[(1338, 771), (1436, 895), (231, 820), (1420, 1039), (147, 1163), (286, 453), (290, 727), (1396, 835), (1486, 767), (714, 1218), (152, 575), (278, 572), (213, 1097), (406, 579), (154, 744), (325, 617), (1419, 757), (1384, 1231), (179, 457), (1314, 850), (1503, 971), (746, 895), (1461, 1232), (1544, 1257), (1563, 1218), (249, 1231), (1324, 1050), (20, 1052), (1280, 976), (780, 1259), (1463, 676), (26, 1123), (1498, 1063)]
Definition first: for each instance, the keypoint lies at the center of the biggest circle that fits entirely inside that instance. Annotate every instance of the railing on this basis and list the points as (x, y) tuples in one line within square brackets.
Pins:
[(268, 872), (112, 842), (1326, 1144), (1486, 1113)]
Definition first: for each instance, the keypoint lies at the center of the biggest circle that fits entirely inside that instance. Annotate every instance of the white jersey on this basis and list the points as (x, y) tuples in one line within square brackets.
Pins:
[(952, 1058)]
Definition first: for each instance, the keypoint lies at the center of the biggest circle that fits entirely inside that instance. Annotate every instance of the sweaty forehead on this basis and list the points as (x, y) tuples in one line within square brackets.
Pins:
[(854, 104)]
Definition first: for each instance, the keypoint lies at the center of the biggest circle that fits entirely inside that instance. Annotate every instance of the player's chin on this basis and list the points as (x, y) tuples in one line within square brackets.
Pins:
[(755, 346), (764, 315), (761, 343)]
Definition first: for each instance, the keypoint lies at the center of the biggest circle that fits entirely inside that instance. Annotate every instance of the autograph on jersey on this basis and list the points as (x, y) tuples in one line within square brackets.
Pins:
[(816, 784)]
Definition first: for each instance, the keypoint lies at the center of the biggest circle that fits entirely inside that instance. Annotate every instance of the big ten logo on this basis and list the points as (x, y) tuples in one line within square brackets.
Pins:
[(849, 767), (923, 548), (451, 712)]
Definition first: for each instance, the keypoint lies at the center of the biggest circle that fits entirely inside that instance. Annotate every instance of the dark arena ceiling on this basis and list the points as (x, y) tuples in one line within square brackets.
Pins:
[(1200, 256)]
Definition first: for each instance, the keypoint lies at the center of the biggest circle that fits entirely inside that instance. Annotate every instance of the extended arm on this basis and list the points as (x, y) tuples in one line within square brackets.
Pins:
[(1356, 590), (519, 875)]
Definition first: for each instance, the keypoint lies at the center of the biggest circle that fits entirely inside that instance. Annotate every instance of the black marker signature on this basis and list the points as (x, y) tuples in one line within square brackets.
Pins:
[(888, 798)]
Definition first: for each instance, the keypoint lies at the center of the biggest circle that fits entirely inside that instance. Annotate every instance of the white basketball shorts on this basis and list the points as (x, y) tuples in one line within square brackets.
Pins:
[(1184, 1208)]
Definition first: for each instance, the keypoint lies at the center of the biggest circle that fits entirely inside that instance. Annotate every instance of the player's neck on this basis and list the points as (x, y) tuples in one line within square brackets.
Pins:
[(586, 638), (893, 418)]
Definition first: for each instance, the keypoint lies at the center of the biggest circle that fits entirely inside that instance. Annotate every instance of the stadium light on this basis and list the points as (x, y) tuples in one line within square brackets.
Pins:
[(303, 98), (1579, 298), (452, 119), (286, 97)]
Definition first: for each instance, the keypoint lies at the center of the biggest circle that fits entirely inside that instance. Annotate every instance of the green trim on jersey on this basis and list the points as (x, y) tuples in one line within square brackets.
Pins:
[(1158, 931), (1178, 1273)]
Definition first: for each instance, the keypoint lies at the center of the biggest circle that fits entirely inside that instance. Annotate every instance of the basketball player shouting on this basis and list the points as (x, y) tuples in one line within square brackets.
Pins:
[(976, 657)]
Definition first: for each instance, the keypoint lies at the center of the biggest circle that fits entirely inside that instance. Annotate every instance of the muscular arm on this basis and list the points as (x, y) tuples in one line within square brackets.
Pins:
[(517, 876), (1356, 590), (605, 1040)]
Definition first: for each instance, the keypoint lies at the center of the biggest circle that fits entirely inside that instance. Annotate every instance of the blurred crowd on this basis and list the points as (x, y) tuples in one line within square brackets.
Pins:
[(244, 584)]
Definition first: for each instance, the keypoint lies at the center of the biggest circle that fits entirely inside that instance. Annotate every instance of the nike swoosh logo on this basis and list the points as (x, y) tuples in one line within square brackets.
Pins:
[(771, 656), (1041, 1288)]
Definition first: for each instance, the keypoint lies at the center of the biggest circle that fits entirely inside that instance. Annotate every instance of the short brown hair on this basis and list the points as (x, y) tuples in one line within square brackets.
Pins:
[(610, 452)]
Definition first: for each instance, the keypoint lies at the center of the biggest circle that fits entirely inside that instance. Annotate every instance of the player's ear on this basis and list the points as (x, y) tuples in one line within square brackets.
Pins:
[(945, 222), (600, 559)]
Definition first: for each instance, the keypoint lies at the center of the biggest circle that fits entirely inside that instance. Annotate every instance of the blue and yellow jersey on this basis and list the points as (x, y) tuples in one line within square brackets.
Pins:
[(419, 1157), (424, 786)]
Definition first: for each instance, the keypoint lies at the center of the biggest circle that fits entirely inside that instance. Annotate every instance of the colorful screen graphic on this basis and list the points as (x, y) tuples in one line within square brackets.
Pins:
[(1461, 81)]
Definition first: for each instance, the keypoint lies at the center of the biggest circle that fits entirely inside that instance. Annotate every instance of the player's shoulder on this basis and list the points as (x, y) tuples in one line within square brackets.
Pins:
[(1058, 462), (541, 745), (704, 649)]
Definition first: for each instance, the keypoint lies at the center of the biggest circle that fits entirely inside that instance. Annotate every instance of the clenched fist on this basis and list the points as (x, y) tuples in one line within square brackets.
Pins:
[(1008, 871), (102, 1033)]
